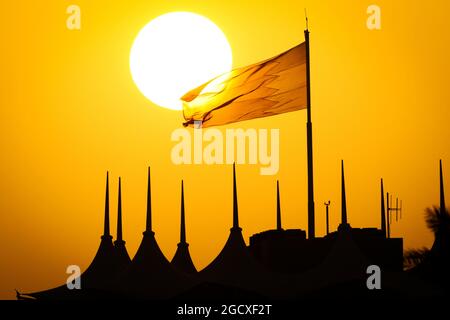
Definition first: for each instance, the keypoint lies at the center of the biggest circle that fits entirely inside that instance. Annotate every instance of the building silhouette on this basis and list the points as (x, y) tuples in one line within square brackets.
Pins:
[(274, 248), (276, 263)]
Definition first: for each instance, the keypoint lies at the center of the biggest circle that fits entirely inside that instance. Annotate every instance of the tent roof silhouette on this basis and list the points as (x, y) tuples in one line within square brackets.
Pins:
[(345, 261), (234, 266), (182, 259), (150, 274), (109, 259)]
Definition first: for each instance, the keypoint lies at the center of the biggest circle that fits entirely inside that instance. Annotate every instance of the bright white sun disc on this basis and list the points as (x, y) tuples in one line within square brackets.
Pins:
[(177, 52)]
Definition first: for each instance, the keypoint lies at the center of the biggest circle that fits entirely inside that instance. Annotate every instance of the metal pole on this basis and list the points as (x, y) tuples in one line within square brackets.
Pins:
[(311, 222)]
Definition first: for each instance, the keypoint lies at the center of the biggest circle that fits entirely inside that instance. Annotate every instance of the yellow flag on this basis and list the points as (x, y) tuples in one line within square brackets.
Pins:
[(267, 88)]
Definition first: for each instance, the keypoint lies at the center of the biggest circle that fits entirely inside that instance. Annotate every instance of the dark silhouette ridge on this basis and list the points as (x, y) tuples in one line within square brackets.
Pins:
[(277, 264), (123, 258), (182, 259), (150, 274)]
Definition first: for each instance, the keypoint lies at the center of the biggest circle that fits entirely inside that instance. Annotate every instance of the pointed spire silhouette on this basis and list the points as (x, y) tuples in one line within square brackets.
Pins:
[(106, 223), (148, 226), (119, 214), (344, 224), (122, 256), (150, 274), (441, 185), (235, 201), (235, 265), (182, 222), (278, 208), (343, 196), (383, 210), (182, 260), (108, 262)]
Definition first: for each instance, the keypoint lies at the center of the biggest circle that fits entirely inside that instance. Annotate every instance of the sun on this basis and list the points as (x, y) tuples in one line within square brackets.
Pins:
[(175, 53)]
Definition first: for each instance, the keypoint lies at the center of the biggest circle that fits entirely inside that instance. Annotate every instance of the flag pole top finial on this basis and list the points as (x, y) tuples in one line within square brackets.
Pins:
[(306, 17)]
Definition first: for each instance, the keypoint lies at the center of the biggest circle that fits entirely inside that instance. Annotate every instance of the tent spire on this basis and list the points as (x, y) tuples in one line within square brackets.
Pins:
[(182, 224), (343, 196), (119, 214), (344, 223), (441, 185), (383, 211), (106, 222), (278, 207), (182, 259), (148, 227), (235, 201)]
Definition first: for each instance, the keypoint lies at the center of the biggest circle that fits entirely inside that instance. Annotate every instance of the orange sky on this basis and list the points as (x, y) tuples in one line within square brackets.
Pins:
[(69, 111)]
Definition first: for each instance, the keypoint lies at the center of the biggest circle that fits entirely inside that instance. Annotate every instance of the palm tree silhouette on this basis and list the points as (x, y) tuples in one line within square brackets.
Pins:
[(438, 257), (436, 220), (439, 222), (414, 257)]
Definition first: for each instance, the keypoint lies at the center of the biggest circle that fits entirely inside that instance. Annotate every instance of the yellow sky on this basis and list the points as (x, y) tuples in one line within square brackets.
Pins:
[(69, 111)]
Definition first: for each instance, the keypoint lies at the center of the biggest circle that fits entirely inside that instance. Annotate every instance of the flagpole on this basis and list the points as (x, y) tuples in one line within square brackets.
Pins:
[(311, 223)]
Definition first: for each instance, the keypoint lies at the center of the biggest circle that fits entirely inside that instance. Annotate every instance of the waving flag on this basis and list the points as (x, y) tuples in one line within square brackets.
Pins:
[(267, 88)]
